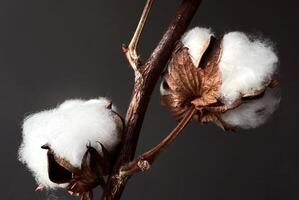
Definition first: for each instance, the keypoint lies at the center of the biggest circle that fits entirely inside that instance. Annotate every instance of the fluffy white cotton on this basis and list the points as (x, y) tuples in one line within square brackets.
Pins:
[(255, 112), (197, 41), (246, 65), (67, 129)]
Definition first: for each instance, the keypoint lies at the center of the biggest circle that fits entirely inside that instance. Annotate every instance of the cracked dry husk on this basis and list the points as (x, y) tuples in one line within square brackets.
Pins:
[(186, 85), (82, 180), (94, 167)]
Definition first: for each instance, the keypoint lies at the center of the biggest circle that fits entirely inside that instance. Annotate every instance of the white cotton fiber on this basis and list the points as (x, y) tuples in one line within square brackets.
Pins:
[(246, 65), (197, 41), (255, 112), (67, 129), (30, 152)]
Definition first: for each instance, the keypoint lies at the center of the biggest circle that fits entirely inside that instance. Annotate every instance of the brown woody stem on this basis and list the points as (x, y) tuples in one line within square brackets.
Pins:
[(143, 88), (130, 51), (143, 162)]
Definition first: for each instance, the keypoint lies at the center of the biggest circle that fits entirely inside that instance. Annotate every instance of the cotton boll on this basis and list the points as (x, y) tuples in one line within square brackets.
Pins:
[(84, 123), (253, 113), (215, 76), (246, 66), (67, 129), (197, 41)]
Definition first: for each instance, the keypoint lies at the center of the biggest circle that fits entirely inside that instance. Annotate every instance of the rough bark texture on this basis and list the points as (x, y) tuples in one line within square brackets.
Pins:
[(143, 89)]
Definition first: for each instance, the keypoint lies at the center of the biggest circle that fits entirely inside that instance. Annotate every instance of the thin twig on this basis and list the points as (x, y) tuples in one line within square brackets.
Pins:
[(143, 162), (130, 50)]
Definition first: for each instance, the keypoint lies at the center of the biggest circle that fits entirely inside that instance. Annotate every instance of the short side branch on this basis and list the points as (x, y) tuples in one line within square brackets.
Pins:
[(130, 50), (143, 162)]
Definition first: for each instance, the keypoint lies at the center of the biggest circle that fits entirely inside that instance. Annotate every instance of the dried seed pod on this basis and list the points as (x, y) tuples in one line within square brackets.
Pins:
[(72, 145), (200, 72)]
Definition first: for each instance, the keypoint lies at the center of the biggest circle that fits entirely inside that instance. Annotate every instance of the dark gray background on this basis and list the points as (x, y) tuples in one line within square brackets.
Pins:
[(52, 50)]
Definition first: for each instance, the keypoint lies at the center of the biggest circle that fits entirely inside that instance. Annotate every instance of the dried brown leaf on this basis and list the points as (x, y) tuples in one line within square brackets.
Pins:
[(190, 85)]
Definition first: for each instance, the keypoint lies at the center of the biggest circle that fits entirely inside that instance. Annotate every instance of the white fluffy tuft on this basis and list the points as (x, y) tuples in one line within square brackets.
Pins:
[(246, 65), (255, 112), (197, 40), (67, 129)]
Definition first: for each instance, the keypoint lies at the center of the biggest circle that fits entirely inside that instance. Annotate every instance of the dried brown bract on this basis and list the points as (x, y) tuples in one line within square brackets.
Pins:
[(81, 181), (189, 85)]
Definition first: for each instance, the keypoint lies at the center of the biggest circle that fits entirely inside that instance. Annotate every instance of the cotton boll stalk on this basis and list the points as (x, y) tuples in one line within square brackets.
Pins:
[(72, 134)]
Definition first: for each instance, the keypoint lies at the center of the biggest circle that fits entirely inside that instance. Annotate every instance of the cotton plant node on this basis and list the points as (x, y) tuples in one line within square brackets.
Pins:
[(80, 139)]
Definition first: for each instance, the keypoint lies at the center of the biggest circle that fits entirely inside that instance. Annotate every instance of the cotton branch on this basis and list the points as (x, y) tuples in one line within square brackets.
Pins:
[(142, 91)]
